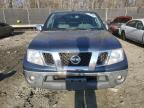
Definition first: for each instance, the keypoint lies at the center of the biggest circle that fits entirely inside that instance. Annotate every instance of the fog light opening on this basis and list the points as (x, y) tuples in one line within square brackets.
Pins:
[(32, 78), (120, 79)]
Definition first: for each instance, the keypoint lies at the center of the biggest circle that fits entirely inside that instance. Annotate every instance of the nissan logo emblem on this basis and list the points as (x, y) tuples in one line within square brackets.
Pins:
[(75, 59)]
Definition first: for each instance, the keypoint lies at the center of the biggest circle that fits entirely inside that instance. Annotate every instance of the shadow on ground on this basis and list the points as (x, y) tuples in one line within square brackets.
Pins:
[(6, 75), (135, 43), (85, 99), (130, 41), (18, 32), (14, 34)]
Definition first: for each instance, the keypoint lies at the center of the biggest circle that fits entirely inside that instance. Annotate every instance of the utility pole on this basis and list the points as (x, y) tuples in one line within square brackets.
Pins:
[(70, 7), (61, 4), (10, 4), (93, 4), (38, 3)]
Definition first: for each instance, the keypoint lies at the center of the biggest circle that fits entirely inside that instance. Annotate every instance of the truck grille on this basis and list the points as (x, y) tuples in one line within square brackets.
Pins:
[(84, 59), (102, 58), (48, 59)]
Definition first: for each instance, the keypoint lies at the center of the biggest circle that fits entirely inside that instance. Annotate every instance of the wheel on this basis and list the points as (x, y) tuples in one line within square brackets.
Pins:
[(123, 37)]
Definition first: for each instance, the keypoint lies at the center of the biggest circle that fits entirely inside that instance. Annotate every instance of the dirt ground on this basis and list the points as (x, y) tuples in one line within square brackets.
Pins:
[(16, 93)]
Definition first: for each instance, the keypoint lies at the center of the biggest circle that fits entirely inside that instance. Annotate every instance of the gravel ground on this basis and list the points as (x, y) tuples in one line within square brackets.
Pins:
[(16, 93)]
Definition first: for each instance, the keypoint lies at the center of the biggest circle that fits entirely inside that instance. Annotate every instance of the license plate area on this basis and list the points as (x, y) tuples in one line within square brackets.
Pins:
[(75, 83)]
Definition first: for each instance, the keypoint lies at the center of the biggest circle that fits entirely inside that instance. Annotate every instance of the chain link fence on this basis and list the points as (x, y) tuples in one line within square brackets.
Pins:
[(38, 16)]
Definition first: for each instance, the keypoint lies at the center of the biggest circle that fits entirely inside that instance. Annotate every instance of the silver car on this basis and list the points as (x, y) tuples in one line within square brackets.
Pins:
[(133, 30)]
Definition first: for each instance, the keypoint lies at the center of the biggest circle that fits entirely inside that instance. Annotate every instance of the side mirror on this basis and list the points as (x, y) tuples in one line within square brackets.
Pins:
[(106, 25), (39, 27)]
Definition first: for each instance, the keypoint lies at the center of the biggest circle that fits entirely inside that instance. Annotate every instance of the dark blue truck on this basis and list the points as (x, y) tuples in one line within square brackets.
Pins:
[(74, 51)]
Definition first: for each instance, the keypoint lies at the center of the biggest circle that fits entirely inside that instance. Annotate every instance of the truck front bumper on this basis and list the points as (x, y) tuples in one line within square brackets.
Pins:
[(75, 80)]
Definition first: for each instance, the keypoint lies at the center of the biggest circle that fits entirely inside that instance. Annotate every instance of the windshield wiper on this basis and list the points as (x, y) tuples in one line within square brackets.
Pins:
[(82, 29), (71, 29), (58, 29)]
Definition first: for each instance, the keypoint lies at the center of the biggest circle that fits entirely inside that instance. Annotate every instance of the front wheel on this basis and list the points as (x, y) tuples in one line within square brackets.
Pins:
[(123, 37)]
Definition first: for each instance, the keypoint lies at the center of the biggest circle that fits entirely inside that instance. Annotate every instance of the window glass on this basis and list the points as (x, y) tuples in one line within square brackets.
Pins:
[(132, 24), (74, 21), (139, 25)]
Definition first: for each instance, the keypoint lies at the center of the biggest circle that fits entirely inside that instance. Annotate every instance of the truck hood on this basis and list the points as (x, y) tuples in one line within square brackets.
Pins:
[(81, 40)]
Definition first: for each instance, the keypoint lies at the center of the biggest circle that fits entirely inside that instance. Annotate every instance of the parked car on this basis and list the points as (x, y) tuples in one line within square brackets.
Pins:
[(74, 51), (115, 25), (133, 30), (5, 30)]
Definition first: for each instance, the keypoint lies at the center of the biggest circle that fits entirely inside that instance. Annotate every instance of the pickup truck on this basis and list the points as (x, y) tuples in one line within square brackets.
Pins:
[(74, 51)]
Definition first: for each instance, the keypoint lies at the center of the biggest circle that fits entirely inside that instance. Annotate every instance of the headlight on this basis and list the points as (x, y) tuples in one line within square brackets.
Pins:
[(116, 56), (34, 56)]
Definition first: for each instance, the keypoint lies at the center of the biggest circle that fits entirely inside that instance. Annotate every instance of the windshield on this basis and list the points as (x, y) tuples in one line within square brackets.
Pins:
[(73, 21)]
